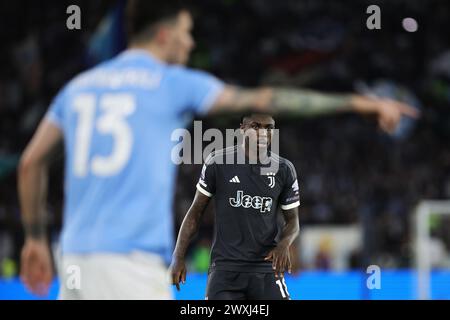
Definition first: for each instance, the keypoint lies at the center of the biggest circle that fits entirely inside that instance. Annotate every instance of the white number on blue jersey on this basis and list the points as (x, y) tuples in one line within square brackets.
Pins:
[(111, 121)]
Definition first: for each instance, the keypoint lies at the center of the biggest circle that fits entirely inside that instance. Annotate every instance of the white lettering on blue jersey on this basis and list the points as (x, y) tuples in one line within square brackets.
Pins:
[(117, 121)]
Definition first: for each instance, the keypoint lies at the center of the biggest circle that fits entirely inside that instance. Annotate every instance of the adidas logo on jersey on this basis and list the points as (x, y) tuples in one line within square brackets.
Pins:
[(235, 179), (264, 204)]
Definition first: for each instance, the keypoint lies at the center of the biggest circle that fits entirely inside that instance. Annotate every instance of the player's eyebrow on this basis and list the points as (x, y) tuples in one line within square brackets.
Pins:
[(267, 125), (261, 125)]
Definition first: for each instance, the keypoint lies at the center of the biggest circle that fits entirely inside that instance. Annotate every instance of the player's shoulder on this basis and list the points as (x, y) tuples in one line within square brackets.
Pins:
[(123, 68), (284, 164), (85, 77), (219, 156)]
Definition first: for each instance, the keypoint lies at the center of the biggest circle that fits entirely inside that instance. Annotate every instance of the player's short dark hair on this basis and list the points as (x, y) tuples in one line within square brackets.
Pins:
[(143, 15), (252, 113), (245, 116)]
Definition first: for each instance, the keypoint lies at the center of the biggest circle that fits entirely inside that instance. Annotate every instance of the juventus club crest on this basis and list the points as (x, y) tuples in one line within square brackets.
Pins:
[(271, 177)]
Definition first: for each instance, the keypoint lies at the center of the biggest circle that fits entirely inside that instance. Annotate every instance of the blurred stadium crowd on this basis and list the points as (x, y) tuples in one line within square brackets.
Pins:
[(349, 172)]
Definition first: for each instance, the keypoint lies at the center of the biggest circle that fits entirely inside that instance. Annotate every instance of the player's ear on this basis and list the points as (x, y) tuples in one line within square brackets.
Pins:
[(162, 34)]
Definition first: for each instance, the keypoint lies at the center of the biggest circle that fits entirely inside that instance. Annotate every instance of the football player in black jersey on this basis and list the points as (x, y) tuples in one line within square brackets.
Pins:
[(248, 259)]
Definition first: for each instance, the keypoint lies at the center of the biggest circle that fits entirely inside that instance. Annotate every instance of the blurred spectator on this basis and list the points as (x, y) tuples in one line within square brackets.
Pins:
[(322, 260)]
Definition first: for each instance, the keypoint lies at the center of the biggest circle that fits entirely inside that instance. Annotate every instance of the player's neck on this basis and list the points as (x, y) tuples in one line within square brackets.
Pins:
[(151, 49)]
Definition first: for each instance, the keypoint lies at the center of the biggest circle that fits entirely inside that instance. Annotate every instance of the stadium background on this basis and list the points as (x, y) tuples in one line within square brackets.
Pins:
[(359, 187)]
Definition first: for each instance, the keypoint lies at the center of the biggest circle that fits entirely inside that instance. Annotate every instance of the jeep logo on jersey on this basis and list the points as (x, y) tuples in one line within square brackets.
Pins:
[(264, 204)]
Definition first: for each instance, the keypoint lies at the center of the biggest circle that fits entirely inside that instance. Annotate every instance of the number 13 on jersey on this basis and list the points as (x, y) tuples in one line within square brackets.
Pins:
[(111, 120)]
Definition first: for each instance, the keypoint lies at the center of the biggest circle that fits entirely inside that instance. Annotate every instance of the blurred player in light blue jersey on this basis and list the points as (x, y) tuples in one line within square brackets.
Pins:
[(116, 122)]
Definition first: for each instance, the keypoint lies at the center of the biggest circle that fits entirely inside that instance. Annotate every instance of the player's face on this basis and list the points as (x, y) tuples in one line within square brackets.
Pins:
[(260, 134), (181, 42)]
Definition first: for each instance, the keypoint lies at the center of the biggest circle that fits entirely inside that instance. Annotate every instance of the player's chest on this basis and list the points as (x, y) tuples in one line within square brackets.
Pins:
[(247, 183)]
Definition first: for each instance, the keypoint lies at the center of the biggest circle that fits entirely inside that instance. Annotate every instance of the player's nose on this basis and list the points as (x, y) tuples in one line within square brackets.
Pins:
[(262, 132)]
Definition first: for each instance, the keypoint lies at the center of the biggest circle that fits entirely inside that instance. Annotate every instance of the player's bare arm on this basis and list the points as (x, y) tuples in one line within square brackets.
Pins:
[(36, 267), (280, 256), (309, 103), (189, 228)]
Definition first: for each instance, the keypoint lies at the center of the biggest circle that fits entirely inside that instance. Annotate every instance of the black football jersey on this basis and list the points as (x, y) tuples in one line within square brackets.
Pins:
[(246, 206)]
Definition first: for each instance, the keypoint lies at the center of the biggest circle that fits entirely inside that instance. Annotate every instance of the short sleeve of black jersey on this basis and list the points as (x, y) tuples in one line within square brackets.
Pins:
[(207, 182), (290, 196)]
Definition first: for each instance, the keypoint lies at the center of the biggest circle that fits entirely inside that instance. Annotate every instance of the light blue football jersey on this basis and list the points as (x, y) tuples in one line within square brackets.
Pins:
[(117, 120)]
